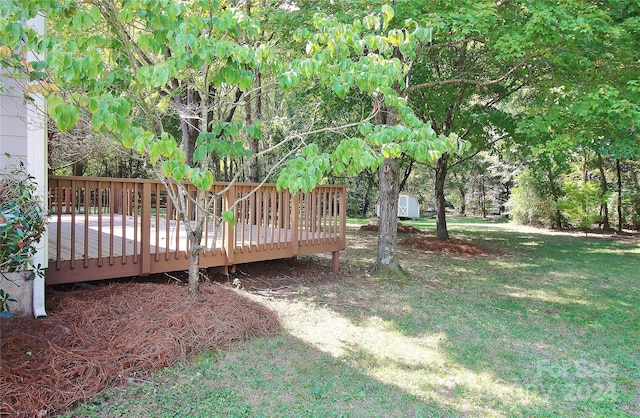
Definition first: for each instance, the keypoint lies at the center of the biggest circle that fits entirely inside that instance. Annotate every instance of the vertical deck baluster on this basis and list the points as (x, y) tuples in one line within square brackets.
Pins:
[(323, 215), (246, 220), (331, 213), (343, 214), (229, 233), (207, 218), (167, 223), (253, 217), (308, 205), (296, 222), (59, 198), (67, 200), (73, 224), (278, 218), (99, 204), (87, 191), (329, 225), (125, 209), (112, 212), (134, 203), (212, 219), (265, 218), (145, 226), (335, 214), (177, 222), (272, 216), (157, 221), (286, 211)]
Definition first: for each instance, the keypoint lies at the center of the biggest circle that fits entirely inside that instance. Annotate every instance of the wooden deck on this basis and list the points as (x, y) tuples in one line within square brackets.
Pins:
[(106, 228)]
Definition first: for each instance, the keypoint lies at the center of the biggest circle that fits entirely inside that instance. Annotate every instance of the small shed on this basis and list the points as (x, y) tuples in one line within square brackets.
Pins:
[(408, 207)]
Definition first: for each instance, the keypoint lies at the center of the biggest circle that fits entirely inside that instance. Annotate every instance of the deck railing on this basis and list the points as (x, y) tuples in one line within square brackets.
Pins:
[(106, 228)]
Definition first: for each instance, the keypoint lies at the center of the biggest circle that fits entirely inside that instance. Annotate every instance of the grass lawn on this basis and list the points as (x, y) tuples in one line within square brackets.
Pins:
[(548, 324)]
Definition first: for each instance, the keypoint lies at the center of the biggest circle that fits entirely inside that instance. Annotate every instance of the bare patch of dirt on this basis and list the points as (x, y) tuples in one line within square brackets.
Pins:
[(284, 278), (94, 339), (406, 229), (452, 246)]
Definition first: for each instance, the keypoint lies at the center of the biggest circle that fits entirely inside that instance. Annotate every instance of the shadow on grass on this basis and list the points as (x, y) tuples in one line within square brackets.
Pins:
[(539, 331), (266, 377), (558, 318)]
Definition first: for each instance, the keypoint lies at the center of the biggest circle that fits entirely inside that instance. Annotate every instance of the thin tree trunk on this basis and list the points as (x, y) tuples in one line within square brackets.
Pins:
[(619, 176), (253, 168), (463, 200), (633, 179), (194, 272), (483, 197), (604, 207), (405, 177), (388, 225), (195, 234), (188, 123), (366, 202), (441, 218)]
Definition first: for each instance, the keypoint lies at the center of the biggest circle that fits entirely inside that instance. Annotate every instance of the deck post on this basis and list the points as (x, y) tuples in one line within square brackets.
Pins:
[(229, 232), (145, 233), (335, 261), (295, 225)]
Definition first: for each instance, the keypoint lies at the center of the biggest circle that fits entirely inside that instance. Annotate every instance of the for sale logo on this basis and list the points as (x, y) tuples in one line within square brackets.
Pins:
[(579, 381)]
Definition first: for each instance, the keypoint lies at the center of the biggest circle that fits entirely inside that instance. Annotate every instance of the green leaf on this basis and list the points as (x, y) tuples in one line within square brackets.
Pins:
[(229, 216), (388, 14)]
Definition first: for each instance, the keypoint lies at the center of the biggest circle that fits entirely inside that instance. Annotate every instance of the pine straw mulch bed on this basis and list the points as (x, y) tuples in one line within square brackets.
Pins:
[(455, 246), (406, 229), (95, 339), (420, 242)]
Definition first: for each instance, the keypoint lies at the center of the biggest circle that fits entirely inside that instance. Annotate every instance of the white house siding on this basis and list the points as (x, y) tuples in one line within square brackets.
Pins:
[(13, 122), (23, 136)]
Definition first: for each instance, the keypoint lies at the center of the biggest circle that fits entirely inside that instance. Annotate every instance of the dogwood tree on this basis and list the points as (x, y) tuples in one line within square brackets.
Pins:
[(132, 63)]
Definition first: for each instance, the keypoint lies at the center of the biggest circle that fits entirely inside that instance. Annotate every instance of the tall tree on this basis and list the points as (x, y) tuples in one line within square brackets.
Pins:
[(372, 56), (481, 54)]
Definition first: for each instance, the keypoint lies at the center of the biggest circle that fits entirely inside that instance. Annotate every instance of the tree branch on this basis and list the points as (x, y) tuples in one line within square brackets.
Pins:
[(478, 83), (467, 158)]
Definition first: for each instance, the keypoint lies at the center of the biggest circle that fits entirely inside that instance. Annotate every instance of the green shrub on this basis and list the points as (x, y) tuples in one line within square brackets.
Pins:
[(581, 203), (22, 223), (533, 200)]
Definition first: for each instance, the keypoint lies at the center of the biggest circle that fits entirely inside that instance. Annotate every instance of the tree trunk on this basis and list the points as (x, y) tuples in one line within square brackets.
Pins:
[(619, 176), (483, 197), (188, 123), (194, 271), (388, 225), (79, 168), (604, 207), (389, 180), (195, 233), (405, 177), (463, 200), (441, 220), (633, 179), (585, 166)]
